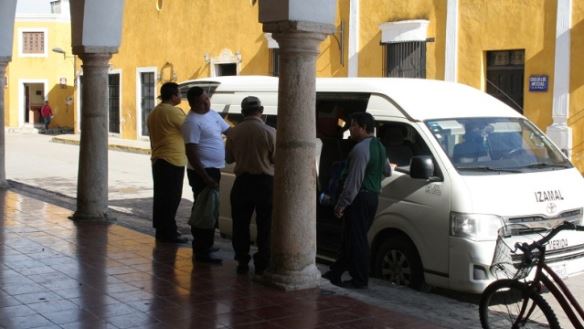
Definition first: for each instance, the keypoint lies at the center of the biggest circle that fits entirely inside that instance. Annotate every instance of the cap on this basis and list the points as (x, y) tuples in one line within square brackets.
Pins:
[(250, 102)]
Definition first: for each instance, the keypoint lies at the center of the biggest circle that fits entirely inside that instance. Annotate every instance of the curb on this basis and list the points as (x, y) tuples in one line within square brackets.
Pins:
[(111, 146)]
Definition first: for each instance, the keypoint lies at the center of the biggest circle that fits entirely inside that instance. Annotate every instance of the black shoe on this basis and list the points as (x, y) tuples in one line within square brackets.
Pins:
[(208, 260), (351, 284), (214, 249), (242, 269), (176, 239), (333, 277)]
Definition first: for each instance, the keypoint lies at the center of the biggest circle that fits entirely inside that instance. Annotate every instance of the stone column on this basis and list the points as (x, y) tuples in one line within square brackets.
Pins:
[(92, 181), (3, 184), (294, 218)]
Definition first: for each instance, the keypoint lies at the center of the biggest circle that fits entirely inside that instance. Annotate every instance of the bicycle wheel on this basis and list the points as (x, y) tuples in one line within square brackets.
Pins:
[(502, 302)]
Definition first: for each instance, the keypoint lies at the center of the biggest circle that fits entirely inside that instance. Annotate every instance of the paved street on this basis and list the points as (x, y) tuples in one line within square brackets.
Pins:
[(48, 171)]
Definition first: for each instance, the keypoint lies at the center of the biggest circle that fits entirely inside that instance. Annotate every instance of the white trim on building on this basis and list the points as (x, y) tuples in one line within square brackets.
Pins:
[(401, 31), (560, 132), (451, 51)]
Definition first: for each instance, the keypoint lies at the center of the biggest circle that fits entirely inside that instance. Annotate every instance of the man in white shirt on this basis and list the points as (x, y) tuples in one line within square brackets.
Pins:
[(202, 130)]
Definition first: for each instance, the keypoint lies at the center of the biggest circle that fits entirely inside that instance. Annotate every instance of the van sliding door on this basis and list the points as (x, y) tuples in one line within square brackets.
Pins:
[(333, 112)]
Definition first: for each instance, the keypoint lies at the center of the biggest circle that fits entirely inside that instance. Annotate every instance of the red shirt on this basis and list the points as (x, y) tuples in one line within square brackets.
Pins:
[(46, 111)]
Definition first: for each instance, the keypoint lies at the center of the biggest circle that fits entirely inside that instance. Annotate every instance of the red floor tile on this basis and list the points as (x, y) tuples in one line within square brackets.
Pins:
[(56, 273)]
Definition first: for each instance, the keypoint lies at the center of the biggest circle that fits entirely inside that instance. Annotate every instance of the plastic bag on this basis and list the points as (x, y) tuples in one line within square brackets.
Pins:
[(205, 212)]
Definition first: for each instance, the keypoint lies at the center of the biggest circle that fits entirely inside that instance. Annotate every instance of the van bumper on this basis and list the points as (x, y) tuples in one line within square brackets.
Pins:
[(469, 264)]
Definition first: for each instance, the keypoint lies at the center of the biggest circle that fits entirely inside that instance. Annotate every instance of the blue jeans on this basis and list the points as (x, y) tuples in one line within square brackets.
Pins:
[(46, 121)]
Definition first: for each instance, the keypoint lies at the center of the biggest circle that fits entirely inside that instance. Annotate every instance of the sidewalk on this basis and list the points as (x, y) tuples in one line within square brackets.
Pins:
[(40, 169), (57, 273)]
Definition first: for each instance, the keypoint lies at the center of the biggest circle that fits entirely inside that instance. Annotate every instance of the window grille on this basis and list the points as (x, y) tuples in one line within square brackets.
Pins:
[(406, 59), (33, 42), (275, 62), (147, 85)]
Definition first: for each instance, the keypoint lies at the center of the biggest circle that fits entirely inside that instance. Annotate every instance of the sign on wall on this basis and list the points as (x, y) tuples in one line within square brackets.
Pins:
[(538, 83)]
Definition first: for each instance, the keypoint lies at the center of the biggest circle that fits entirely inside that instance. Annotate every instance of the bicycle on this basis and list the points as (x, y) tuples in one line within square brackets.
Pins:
[(516, 302)]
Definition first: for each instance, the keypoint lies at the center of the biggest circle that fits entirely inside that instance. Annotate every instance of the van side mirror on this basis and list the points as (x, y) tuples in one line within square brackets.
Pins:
[(421, 166)]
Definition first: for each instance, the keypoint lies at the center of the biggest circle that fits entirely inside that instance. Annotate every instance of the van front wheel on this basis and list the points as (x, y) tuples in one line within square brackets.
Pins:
[(397, 261)]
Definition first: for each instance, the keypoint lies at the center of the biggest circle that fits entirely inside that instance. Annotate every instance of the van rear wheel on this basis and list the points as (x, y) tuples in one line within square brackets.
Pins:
[(397, 261)]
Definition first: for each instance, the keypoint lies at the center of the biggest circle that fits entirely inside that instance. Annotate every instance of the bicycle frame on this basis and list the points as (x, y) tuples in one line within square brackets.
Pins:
[(554, 284)]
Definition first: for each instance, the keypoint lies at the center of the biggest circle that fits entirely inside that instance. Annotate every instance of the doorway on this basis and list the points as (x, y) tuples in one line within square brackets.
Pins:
[(505, 70), (32, 98)]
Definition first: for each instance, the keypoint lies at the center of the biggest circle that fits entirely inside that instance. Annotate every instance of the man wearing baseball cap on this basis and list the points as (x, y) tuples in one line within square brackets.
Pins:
[(252, 145)]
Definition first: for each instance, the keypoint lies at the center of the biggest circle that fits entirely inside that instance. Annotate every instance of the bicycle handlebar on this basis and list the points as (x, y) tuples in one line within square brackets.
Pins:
[(527, 248)]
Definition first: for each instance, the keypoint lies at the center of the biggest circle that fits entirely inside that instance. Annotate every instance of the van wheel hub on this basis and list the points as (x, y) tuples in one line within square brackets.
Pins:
[(396, 268)]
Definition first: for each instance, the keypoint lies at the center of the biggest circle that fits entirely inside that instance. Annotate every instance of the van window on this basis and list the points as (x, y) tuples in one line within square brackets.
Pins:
[(483, 145), (209, 87), (401, 142), (233, 119), (333, 113)]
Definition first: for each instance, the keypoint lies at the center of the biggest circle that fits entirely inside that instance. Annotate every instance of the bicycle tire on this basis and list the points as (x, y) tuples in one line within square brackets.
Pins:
[(502, 301)]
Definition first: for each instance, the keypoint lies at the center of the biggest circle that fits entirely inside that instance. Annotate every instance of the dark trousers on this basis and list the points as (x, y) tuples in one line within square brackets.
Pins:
[(168, 185), (249, 193), (354, 253), (203, 239), (46, 122)]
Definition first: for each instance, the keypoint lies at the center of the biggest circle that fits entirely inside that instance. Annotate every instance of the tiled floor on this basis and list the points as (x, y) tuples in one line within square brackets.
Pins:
[(55, 273)]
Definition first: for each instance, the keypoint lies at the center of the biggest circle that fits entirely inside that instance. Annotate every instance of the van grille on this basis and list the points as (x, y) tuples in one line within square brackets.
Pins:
[(574, 214)]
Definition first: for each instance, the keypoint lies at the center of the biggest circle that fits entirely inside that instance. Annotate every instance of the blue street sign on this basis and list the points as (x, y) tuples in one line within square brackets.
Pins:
[(538, 83)]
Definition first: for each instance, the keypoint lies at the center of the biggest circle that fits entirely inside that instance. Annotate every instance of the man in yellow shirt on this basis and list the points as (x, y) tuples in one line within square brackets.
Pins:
[(168, 162)]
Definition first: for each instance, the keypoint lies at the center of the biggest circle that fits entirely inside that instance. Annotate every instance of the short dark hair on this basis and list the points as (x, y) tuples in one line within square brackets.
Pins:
[(251, 105), (364, 120), (193, 94), (168, 90)]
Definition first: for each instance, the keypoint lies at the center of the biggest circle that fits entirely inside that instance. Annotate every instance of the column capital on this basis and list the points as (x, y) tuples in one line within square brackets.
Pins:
[(80, 50), (298, 27), (95, 61)]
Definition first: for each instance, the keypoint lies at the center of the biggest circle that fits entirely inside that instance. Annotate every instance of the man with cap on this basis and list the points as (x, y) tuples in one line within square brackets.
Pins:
[(252, 145)]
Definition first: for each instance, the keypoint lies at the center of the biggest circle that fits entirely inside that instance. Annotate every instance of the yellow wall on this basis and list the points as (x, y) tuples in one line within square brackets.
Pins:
[(487, 25), (181, 33), (49, 69), (576, 119), (375, 12)]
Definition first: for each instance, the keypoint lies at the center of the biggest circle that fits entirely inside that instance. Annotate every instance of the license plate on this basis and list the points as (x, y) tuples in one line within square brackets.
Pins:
[(560, 269), (557, 244)]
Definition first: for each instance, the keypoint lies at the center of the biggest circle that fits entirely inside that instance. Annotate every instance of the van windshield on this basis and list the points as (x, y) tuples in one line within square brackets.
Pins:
[(503, 145)]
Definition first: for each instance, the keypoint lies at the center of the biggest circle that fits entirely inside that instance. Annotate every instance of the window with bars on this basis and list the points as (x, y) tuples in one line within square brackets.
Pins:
[(147, 86), (33, 42), (275, 62), (405, 59), (114, 103)]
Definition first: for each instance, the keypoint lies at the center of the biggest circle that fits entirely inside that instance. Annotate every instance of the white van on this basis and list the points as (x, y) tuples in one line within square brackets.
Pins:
[(467, 164)]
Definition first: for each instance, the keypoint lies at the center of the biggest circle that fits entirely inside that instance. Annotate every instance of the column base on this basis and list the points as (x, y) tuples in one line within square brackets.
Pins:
[(4, 185), (307, 278), (84, 217)]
